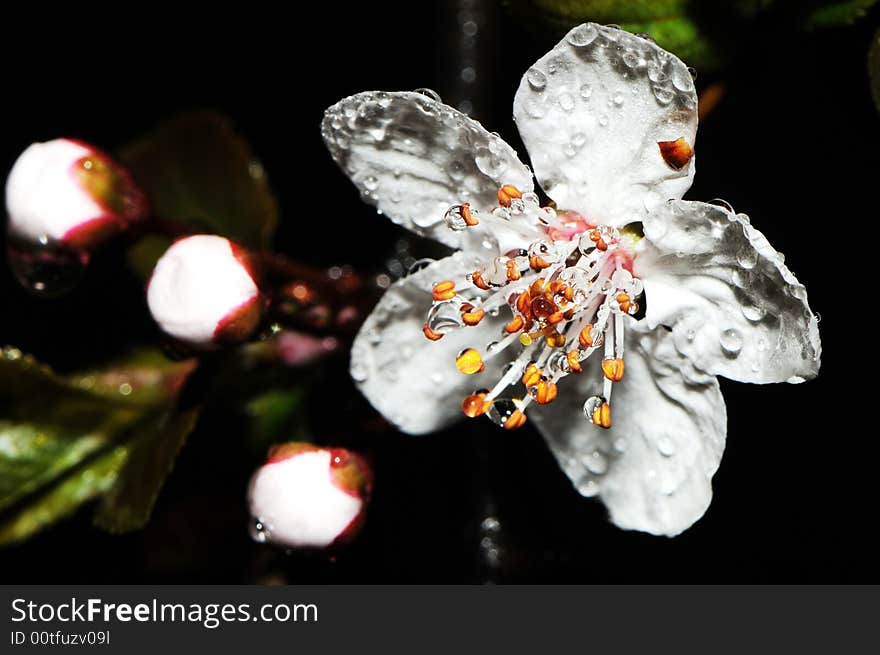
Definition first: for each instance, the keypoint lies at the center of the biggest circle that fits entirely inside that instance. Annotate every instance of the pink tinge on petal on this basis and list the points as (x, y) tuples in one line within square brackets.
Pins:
[(297, 349), (573, 224), (93, 231), (241, 322)]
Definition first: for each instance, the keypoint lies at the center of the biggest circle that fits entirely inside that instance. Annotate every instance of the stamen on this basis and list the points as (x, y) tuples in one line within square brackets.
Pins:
[(507, 193), (430, 334), (444, 290), (473, 317), (475, 404), (469, 361), (676, 153), (613, 369)]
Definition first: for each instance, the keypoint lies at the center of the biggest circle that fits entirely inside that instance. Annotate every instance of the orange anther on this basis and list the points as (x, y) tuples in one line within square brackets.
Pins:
[(430, 334), (513, 273), (468, 216), (474, 317), (555, 317), (507, 193), (574, 362), (475, 404), (676, 153), (585, 338), (523, 303), (555, 340), (546, 392), (541, 307), (613, 369), (532, 375), (537, 287), (444, 290), (469, 361), (602, 416), (479, 282), (568, 292), (538, 263), (516, 420), (624, 301), (514, 326)]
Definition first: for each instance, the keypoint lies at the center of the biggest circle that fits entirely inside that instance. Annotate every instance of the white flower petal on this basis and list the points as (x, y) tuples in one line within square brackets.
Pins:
[(44, 198), (413, 157), (591, 113), (196, 284), (411, 380), (734, 307), (653, 468), (298, 503)]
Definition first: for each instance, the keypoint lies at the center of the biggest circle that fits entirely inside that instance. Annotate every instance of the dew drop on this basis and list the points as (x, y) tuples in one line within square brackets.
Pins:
[(444, 317), (753, 313), (595, 463), (566, 101), (681, 79), (617, 99), (259, 531), (731, 342), (536, 78), (588, 487), (371, 183), (501, 410), (582, 35), (586, 91), (455, 170), (591, 405), (45, 269), (488, 163), (603, 120), (359, 371), (663, 94), (747, 257), (666, 446)]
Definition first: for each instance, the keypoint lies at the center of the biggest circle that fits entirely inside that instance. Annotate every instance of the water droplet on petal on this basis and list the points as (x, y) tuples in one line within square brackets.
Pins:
[(586, 91), (46, 269), (582, 35), (747, 257), (444, 317), (595, 462), (371, 183), (731, 342), (501, 410), (753, 313), (536, 79), (666, 446)]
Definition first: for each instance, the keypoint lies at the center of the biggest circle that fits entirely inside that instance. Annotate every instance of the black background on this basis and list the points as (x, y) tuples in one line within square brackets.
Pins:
[(794, 144)]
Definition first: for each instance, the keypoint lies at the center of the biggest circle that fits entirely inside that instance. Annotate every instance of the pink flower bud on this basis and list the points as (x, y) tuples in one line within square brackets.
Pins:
[(68, 192), (309, 497), (203, 292)]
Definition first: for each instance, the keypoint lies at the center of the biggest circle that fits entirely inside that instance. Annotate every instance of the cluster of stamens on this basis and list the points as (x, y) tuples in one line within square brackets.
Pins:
[(569, 294)]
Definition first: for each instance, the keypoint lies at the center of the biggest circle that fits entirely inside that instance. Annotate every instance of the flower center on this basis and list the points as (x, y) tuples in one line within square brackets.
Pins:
[(569, 294)]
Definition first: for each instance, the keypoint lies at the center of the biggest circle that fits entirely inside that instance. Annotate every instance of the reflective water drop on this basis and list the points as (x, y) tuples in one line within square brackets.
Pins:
[(501, 410), (731, 342), (666, 446), (747, 257), (620, 444), (603, 120), (617, 99), (536, 79), (444, 317), (535, 108), (259, 531), (586, 91), (456, 171), (591, 405), (588, 487), (753, 313), (582, 35), (663, 94), (45, 269), (681, 79), (371, 183), (595, 462), (566, 101), (488, 163)]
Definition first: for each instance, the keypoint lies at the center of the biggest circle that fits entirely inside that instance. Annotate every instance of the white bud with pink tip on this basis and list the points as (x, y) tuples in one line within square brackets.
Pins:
[(203, 292), (68, 192), (309, 497)]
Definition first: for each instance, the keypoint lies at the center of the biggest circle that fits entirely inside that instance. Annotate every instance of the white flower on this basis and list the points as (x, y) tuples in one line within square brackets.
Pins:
[(69, 192), (203, 292), (306, 496), (554, 297)]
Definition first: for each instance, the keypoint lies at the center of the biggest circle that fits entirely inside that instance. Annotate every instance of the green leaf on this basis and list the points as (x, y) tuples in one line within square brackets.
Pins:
[(199, 173), (669, 22), (874, 67), (65, 440), (144, 254), (837, 12), (277, 415), (128, 504)]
